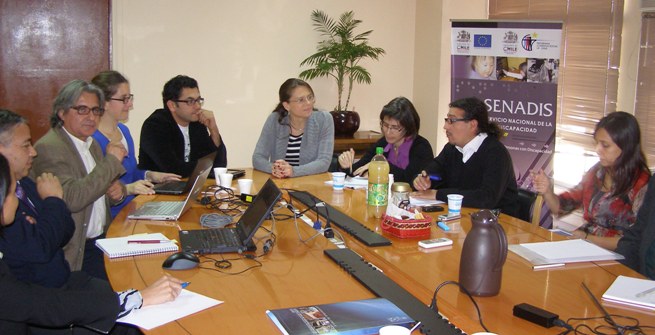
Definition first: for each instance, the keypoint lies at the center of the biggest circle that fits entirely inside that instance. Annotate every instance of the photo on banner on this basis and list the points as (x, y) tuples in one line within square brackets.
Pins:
[(513, 67)]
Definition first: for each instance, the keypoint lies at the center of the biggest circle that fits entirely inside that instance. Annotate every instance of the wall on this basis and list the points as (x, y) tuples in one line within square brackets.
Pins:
[(241, 51), (432, 71)]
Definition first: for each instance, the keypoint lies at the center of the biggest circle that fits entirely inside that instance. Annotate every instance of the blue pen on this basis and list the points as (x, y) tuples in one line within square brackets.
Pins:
[(185, 284), (443, 226), (432, 177)]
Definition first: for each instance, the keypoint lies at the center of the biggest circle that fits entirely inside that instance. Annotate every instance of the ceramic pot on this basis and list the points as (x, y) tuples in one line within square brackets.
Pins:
[(346, 123)]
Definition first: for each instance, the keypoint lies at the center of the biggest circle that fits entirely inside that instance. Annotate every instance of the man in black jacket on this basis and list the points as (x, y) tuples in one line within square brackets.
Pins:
[(474, 163), (174, 138)]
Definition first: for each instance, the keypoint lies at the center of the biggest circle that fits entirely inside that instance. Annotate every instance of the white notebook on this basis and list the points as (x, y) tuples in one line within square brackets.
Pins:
[(632, 291), (141, 244), (562, 252)]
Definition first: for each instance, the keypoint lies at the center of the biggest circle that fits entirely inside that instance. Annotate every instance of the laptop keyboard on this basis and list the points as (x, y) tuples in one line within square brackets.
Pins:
[(217, 237), (168, 207)]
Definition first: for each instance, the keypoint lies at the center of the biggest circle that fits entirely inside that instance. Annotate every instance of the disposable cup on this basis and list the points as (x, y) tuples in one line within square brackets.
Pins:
[(338, 180), (455, 204), (217, 172), (244, 185), (394, 330), (226, 179)]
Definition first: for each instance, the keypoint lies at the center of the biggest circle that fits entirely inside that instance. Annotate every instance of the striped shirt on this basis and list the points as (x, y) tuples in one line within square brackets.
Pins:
[(293, 150)]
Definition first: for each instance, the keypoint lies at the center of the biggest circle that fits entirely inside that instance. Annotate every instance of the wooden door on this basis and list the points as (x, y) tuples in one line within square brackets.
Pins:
[(45, 44)]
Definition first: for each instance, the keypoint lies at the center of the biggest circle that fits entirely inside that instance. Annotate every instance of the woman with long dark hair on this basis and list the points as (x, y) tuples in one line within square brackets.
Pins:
[(296, 140), (612, 191)]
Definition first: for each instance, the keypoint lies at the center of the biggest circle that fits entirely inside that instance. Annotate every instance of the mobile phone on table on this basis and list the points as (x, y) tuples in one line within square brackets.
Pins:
[(436, 242), (432, 208)]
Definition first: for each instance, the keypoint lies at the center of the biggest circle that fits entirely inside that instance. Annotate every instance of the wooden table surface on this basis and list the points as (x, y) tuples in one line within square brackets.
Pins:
[(297, 274)]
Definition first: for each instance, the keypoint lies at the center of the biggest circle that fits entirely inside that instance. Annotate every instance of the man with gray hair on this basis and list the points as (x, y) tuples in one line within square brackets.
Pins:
[(89, 180)]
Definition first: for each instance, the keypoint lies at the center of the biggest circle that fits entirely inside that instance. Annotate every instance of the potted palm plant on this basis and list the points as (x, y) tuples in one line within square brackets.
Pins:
[(339, 56)]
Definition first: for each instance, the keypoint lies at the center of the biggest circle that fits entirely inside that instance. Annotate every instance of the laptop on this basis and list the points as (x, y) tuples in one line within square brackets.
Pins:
[(180, 186), (170, 210), (222, 240)]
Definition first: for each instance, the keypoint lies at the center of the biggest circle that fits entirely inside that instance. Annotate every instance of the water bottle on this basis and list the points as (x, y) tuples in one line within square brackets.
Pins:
[(483, 255), (378, 184)]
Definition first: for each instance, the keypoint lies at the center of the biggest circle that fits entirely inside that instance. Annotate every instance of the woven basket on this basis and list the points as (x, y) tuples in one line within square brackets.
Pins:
[(406, 228)]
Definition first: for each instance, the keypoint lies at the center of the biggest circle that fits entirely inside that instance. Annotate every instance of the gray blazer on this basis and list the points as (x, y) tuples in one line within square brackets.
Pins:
[(315, 151), (58, 155)]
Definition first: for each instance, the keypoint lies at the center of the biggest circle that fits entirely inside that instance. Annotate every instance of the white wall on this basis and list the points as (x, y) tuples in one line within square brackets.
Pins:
[(241, 51)]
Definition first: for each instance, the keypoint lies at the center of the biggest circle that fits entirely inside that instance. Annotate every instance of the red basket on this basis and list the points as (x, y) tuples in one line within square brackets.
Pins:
[(406, 228)]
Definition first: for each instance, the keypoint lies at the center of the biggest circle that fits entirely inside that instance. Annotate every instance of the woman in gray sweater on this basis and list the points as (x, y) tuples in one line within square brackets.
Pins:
[(296, 139)]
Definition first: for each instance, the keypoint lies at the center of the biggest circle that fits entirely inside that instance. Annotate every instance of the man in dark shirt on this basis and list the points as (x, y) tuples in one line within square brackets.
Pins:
[(474, 163), (174, 138)]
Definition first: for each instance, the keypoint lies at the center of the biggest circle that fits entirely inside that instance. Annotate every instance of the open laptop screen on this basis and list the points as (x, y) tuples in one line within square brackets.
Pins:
[(257, 212)]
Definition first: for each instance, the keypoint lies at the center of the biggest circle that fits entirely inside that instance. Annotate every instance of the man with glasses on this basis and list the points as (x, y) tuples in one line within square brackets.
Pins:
[(174, 138), (474, 163), (89, 179)]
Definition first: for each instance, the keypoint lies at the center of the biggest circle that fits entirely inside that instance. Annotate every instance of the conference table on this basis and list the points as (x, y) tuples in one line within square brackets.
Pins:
[(296, 273)]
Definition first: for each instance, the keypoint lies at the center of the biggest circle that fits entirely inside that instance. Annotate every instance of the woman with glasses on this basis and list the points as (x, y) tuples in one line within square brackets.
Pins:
[(406, 151), (296, 139), (612, 191), (118, 103)]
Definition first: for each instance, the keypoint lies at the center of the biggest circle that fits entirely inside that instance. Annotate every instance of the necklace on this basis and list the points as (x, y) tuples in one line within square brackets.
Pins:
[(294, 127)]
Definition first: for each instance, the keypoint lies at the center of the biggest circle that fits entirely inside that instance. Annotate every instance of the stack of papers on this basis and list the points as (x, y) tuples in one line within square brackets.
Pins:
[(548, 254), (632, 292)]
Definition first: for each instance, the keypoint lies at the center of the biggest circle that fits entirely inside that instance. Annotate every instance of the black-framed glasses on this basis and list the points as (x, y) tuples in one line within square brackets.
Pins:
[(85, 110), (453, 120), (390, 128), (309, 98), (124, 99), (192, 101)]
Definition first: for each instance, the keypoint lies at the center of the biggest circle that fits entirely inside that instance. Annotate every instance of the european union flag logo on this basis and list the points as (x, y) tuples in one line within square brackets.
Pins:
[(482, 41)]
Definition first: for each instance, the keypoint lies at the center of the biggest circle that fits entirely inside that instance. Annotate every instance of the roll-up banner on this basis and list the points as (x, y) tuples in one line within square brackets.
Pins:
[(513, 66)]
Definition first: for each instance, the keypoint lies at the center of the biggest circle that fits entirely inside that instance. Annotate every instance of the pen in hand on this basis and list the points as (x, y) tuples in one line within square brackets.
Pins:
[(185, 284)]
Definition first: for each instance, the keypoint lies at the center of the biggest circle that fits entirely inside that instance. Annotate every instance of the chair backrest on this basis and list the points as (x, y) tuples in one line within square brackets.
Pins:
[(530, 204)]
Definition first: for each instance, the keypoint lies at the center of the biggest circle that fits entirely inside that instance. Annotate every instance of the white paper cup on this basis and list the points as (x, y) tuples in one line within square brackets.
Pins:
[(338, 180), (226, 179), (244, 185), (217, 172), (455, 204), (394, 330)]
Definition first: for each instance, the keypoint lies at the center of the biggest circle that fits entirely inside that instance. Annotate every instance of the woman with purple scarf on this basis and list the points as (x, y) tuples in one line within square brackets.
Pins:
[(406, 151)]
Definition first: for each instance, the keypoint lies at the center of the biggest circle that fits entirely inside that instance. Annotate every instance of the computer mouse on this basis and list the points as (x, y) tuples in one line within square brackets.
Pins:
[(181, 261)]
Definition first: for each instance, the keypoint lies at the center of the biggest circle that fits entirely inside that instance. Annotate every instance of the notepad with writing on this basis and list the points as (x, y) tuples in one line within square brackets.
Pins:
[(120, 247), (631, 291)]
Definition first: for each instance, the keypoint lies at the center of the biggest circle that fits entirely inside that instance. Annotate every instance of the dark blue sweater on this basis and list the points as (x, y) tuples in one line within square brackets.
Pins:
[(33, 251)]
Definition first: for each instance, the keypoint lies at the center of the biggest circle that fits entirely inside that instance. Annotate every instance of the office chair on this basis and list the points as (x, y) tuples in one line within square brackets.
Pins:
[(530, 204)]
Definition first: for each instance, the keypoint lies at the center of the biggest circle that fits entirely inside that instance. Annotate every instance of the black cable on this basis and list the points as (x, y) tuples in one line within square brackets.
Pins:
[(433, 303), (225, 263)]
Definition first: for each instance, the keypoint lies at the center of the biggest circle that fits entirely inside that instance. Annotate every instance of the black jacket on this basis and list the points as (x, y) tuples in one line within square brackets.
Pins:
[(162, 145), (486, 180)]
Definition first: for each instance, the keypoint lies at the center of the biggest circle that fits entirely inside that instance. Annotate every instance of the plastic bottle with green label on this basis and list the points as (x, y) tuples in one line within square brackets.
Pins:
[(378, 184)]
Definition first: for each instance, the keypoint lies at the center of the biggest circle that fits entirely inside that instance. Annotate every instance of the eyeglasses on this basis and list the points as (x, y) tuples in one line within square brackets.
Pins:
[(192, 101), (310, 99), (85, 110), (390, 128), (124, 99), (453, 120)]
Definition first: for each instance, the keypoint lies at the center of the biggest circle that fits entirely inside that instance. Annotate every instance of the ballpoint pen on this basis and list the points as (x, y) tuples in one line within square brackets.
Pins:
[(645, 293), (185, 284), (432, 177), (148, 241)]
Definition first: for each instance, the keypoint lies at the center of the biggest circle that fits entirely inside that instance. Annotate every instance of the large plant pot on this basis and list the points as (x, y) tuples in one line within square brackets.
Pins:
[(346, 123)]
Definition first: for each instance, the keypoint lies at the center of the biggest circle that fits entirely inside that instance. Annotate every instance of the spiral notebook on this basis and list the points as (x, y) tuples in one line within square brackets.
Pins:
[(141, 244)]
